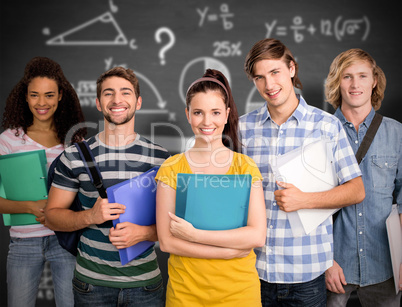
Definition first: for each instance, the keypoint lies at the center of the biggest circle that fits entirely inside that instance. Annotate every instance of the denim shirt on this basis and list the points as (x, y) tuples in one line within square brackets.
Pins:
[(360, 237)]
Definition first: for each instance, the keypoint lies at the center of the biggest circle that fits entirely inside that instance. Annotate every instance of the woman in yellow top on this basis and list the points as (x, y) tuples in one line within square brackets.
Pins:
[(211, 268)]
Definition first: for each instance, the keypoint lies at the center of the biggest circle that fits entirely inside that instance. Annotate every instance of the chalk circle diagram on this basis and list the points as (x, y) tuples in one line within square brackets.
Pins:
[(253, 103), (195, 69), (93, 32)]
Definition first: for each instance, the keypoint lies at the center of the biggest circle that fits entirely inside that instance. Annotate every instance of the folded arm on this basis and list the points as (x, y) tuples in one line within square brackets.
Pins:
[(165, 203), (250, 236), (31, 207)]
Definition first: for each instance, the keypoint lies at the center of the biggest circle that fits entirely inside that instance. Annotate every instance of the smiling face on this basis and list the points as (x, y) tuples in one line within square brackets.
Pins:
[(273, 80), (43, 98), (356, 86), (207, 115), (118, 101)]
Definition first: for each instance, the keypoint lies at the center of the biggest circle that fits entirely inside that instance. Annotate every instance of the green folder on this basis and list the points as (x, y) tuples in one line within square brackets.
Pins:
[(23, 176)]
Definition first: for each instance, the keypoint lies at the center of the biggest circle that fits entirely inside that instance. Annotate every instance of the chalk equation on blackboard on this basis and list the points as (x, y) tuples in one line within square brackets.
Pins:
[(76, 36), (340, 29), (225, 14)]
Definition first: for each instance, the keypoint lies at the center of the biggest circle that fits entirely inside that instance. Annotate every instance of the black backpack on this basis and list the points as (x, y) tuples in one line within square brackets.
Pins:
[(69, 240)]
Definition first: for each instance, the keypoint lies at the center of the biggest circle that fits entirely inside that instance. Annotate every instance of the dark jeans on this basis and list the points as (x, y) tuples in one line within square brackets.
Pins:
[(307, 294), (87, 295), (378, 295)]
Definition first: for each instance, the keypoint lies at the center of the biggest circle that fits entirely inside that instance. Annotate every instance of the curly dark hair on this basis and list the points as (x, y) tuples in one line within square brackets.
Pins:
[(18, 115)]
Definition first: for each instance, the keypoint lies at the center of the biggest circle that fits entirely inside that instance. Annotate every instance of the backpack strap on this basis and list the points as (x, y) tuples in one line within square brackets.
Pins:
[(365, 145), (91, 167), (368, 138)]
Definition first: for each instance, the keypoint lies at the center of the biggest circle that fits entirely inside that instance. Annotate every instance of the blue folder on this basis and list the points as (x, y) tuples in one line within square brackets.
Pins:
[(23, 177), (138, 194), (213, 202)]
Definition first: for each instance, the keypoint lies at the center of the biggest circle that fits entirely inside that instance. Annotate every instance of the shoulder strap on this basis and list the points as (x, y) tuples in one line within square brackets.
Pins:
[(91, 167), (365, 145), (368, 138)]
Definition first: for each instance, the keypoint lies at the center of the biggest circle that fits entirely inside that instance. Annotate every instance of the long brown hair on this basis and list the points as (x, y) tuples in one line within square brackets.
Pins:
[(230, 136)]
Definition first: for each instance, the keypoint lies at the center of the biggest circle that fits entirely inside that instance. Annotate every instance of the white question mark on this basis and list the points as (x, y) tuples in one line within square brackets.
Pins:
[(169, 45)]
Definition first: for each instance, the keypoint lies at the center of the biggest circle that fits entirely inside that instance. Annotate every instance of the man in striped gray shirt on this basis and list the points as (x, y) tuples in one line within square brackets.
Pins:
[(121, 153)]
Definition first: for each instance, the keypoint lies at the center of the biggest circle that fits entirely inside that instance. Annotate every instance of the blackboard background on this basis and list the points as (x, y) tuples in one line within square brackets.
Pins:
[(207, 33)]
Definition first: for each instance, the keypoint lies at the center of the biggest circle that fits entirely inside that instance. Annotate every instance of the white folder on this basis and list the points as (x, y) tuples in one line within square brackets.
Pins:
[(394, 230), (311, 169)]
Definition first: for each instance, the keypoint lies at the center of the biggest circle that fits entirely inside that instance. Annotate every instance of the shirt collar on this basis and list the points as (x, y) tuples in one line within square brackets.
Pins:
[(367, 121), (263, 113), (338, 113), (369, 118)]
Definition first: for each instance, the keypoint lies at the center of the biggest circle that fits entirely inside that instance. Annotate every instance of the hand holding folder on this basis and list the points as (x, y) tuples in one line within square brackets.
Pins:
[(139, 196), (311, 169), (23, 178)]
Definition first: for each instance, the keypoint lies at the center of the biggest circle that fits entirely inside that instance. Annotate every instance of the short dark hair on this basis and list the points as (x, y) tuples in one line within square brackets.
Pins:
[(120, 72)]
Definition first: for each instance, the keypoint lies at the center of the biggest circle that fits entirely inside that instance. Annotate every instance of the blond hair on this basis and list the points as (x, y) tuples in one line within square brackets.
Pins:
[(338, 66)]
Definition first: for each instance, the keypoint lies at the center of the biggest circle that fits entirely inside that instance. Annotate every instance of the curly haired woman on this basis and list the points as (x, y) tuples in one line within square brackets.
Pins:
[(41, 112)]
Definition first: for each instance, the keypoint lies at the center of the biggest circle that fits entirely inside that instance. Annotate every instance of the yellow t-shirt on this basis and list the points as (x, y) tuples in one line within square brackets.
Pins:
[(211, 282)]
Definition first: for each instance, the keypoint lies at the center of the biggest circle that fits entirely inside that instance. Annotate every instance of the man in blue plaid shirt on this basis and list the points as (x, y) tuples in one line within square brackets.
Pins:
[(292, 267)]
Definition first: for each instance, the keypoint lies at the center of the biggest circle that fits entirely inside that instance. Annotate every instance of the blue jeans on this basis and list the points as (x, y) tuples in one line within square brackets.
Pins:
[(307, 294), (25, 262), (87, 295)]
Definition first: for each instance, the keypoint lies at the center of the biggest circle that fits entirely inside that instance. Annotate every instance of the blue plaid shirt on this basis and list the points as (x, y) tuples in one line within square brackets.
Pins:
[(285, 258)]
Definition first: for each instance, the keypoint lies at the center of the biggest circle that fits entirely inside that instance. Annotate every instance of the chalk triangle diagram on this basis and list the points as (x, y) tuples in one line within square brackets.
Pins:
[(87, 33)]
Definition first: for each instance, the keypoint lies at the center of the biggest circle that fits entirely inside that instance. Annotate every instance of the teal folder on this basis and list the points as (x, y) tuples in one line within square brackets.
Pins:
[(23, 176), (138, 194), (213, 202)]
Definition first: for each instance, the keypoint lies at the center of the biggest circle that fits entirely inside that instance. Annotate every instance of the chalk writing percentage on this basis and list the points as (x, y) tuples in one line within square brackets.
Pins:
[(227, 49)]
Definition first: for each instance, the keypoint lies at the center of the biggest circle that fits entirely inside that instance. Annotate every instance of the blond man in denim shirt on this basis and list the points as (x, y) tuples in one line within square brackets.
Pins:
[(355, 88)]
